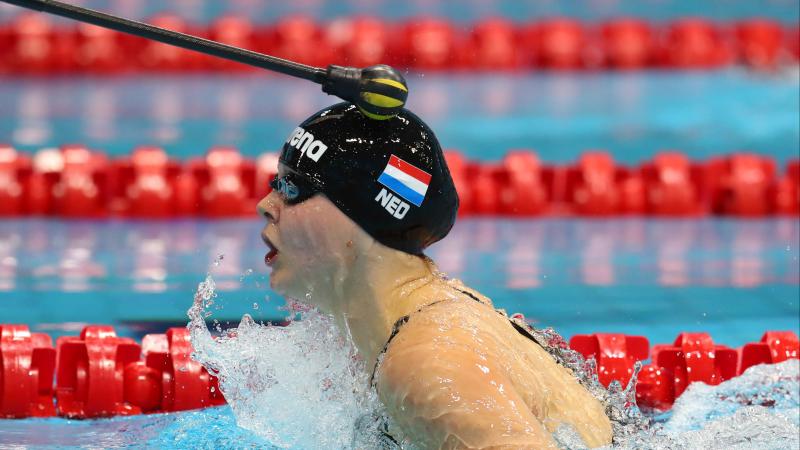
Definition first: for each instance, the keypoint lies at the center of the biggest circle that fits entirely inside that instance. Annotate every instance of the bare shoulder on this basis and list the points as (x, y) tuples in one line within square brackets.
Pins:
[(459, 370), (439, 339), (437, 380)]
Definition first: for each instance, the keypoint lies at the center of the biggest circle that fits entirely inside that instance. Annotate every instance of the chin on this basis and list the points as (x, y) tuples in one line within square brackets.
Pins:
[(282, 283), (276, 283)]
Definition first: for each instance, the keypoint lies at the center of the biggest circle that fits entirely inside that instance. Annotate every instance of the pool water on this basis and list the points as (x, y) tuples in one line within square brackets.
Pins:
[(732, 278), (654, 277), (559, 115), (271, 376)]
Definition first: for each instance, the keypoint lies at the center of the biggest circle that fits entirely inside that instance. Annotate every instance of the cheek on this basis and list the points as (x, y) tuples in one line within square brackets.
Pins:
[(300, 235), (314, 235)]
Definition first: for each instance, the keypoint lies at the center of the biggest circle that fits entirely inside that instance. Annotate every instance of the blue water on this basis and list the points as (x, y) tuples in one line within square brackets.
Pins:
[(657, 278), (559, 115), (458, 10), (703, 417), (732, 278)]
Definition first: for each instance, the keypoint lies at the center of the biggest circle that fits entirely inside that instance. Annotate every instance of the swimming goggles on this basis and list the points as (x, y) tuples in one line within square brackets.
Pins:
[(294, 189)]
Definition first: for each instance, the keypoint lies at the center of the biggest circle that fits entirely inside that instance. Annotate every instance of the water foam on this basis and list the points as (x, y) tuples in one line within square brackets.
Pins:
[(619, 403), (759, 409), (303, 386), (297, 386)]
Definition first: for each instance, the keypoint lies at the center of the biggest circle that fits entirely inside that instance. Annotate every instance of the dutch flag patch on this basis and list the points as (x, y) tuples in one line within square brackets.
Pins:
[(406, 180)]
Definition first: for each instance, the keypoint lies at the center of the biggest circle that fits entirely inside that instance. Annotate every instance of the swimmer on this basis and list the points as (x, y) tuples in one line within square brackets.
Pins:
[(354, 205)]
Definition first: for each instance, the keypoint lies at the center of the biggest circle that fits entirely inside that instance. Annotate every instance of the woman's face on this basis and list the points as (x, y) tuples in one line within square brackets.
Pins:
[(309, 245)]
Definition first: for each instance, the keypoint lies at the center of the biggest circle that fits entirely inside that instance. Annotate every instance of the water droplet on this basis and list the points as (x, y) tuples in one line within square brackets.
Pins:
[(292, 367), (255, 305), (213, 389)]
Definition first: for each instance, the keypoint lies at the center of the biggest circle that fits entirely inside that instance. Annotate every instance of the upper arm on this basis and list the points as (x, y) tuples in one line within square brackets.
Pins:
[(449, 396)]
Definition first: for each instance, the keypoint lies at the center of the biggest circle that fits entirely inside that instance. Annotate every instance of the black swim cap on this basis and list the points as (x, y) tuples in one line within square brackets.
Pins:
[(389, 176)]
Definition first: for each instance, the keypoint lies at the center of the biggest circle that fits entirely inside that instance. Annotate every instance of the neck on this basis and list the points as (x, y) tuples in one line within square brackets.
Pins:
[(381, 287)]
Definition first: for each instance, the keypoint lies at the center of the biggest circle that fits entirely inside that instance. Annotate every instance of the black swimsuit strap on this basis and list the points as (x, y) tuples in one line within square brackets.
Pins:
[(402, 321), (396, 329)]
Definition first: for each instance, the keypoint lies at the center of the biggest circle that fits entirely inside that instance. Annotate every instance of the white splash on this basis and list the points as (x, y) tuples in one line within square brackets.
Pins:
[(298, 386), (303, 386), (758, 410), (619, 403)]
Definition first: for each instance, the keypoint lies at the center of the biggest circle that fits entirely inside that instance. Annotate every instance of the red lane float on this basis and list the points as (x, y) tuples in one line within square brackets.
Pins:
[(360, 41), (792, 43), (787, 195), (695, 44), (760, 43), (484, 185), (89, 381), (150, 185), (14, 171), (615, 354), (522, 190), (427, 44), (693, 357), (632, 191), (491, 45), (32, 44), (168, 379), (100, 375), (226, 182), (592, 185), (27, 362), (669, 187), (31, 48), (628, 44), (141, 184), (98, 50), (80, 189), (774, 347), (76, 182), (457, 164), (740, 184), (555, 44)]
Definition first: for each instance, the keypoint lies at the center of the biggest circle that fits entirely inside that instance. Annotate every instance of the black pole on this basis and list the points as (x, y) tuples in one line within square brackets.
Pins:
[(379, 91), (186, 41)]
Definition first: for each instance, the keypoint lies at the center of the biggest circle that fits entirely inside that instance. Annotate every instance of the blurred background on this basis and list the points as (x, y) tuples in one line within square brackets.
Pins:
[(652, 186)]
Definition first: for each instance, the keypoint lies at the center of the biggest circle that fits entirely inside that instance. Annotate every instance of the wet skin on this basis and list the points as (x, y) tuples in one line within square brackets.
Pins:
[(457, 375)]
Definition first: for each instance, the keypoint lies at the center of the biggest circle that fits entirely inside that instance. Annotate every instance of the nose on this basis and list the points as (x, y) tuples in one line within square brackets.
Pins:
[(269, 207)]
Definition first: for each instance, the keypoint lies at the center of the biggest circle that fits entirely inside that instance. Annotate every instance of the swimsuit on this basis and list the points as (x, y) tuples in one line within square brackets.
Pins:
[(517, 321), (615, 402)]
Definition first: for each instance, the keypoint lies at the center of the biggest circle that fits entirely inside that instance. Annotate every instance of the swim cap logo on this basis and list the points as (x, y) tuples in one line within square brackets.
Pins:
[(305, 142), (406, 181), (392, 204)]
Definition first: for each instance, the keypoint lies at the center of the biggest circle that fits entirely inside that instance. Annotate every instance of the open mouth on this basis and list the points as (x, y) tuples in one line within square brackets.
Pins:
[(272, 254)]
